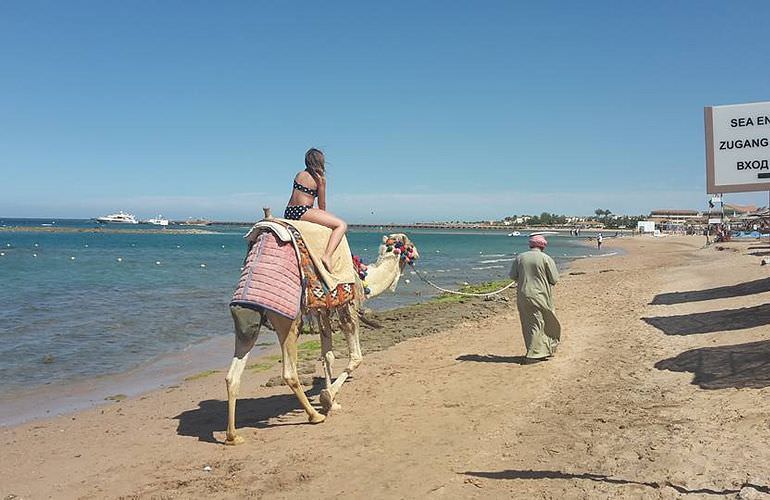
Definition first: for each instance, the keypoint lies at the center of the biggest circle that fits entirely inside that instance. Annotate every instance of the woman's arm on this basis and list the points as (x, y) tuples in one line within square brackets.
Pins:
[(320, 181)]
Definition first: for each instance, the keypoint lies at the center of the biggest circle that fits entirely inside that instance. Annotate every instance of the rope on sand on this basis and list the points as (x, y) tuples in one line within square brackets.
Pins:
[(454, 292)]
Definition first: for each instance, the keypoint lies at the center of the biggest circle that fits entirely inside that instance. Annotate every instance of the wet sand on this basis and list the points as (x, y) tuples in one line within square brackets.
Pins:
[(659, 390)]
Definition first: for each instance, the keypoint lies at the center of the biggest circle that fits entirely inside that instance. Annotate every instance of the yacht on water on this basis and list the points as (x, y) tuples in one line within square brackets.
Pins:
[(159, 221), (118, 218)]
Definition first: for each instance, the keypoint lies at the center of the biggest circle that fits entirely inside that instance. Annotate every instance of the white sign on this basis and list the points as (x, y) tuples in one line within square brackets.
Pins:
[(715, 221), (737, 148)]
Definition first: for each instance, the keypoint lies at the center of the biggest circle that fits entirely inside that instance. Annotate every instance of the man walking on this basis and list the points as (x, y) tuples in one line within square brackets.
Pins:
[(535, 274)]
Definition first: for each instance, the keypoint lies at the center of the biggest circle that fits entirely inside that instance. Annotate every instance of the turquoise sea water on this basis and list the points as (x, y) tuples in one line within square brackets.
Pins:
[(84, 304)]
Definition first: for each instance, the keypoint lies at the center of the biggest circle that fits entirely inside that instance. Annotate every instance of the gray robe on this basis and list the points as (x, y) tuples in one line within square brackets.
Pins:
[(535, 273)]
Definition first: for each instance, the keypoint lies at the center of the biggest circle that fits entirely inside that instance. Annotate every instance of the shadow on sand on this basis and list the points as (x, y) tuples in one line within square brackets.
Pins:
[(740, 366), (493, 358), (722, 292), (712, 321), (211, 414), (601, 478)]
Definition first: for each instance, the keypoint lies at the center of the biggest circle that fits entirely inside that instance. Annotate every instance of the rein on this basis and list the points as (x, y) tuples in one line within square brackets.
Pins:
[(454, 292)]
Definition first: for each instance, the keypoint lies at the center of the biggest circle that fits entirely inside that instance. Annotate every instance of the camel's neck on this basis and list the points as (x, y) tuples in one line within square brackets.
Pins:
[(383, 274)]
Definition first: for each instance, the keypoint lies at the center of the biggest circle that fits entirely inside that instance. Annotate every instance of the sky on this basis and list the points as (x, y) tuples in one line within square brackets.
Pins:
[(425, 110)]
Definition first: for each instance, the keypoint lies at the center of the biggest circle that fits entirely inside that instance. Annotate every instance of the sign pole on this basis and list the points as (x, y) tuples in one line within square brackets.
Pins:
[(722, 205)]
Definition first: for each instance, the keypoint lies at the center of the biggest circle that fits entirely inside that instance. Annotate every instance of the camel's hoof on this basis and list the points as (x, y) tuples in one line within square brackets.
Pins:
[(234, 441), (316, 419), (327, 401)]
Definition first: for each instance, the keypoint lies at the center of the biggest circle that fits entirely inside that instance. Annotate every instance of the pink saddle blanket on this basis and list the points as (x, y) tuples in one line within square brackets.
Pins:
[(270, 278)]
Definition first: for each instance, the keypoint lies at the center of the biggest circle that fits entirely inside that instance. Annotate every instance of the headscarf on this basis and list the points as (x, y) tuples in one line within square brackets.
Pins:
[(537, 241)]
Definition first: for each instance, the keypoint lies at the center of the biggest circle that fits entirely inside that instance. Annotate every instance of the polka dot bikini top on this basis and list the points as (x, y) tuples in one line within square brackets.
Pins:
[(304, 189)]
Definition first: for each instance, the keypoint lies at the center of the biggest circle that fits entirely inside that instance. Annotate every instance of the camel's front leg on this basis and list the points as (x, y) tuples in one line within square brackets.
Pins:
[(288, 330), (327, 355), (350, 329), (247, 323)]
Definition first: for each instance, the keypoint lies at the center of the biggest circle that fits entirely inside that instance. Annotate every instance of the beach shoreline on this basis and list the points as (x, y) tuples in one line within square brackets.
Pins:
[(621, 400), (169, 369)]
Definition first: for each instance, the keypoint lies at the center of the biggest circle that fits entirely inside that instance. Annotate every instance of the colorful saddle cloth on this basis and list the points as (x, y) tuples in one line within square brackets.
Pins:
[(266, 284), (317, 293)]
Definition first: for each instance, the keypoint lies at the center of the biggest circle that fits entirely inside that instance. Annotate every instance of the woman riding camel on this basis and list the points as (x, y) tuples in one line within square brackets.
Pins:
[(309, 184)]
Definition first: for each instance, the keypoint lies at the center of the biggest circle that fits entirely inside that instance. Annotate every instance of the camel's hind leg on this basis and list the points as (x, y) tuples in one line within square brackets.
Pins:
[(288, 330), (350, 329), (247, 323)]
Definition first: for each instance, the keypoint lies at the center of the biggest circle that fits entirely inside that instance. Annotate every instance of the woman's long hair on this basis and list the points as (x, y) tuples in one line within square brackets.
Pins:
[(314, 161)]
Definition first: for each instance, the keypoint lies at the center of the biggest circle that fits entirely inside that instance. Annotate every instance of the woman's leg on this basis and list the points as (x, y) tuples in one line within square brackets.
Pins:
[(338, 227)]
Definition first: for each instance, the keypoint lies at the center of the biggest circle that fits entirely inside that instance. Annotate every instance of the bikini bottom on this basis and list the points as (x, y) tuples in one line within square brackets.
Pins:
[(295, 212)]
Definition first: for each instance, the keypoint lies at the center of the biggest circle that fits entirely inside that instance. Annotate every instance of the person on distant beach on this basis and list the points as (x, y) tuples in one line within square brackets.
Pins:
[(309, 184), (535, 274), (599, 241)]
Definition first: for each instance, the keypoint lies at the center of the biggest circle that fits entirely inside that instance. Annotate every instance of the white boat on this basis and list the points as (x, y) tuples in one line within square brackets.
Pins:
[(159, 221), (118, 218), (515, 233)]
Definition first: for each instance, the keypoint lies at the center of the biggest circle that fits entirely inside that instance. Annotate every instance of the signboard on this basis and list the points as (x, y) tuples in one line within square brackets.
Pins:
[(737, 148), (715, 221)]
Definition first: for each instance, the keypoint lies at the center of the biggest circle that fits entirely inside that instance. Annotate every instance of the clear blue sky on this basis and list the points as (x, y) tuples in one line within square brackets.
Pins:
[(426, 110)]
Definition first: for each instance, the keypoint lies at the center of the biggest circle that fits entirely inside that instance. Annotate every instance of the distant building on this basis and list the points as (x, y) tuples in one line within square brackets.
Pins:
[(736, 210), (675, 214), (672, 219)]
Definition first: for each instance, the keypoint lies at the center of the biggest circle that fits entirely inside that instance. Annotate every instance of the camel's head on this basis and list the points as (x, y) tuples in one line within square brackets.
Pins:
[(400, 246)]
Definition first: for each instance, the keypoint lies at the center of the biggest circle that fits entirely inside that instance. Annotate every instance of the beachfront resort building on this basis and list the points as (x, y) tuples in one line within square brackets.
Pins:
[(677, 220)]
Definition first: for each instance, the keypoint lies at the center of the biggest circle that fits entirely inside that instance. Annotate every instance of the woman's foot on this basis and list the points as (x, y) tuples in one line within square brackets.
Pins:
[(327, 261)]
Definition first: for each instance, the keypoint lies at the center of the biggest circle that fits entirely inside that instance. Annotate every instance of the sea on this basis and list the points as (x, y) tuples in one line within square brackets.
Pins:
[(88, 315)]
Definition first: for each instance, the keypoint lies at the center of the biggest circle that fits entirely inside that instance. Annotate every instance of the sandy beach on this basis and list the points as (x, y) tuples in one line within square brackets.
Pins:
[(659, 390)]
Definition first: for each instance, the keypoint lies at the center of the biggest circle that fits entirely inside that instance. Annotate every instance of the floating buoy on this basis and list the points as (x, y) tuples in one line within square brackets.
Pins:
[(36, 245), (8, 245), (223, 246), (203, 265), (120, 259), (72, 258), (157, 262), (179, 246), (34, 255), (438, 251), (86, 245), (2, 254)]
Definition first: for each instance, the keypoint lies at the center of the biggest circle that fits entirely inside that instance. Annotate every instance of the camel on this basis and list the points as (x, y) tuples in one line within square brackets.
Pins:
[(382, 275)]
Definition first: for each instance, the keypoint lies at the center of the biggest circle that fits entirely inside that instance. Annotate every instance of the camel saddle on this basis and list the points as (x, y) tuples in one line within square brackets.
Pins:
[(320, 289)]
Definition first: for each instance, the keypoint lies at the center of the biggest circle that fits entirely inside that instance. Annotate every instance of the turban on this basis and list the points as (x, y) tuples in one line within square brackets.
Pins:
[(537, 241)]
